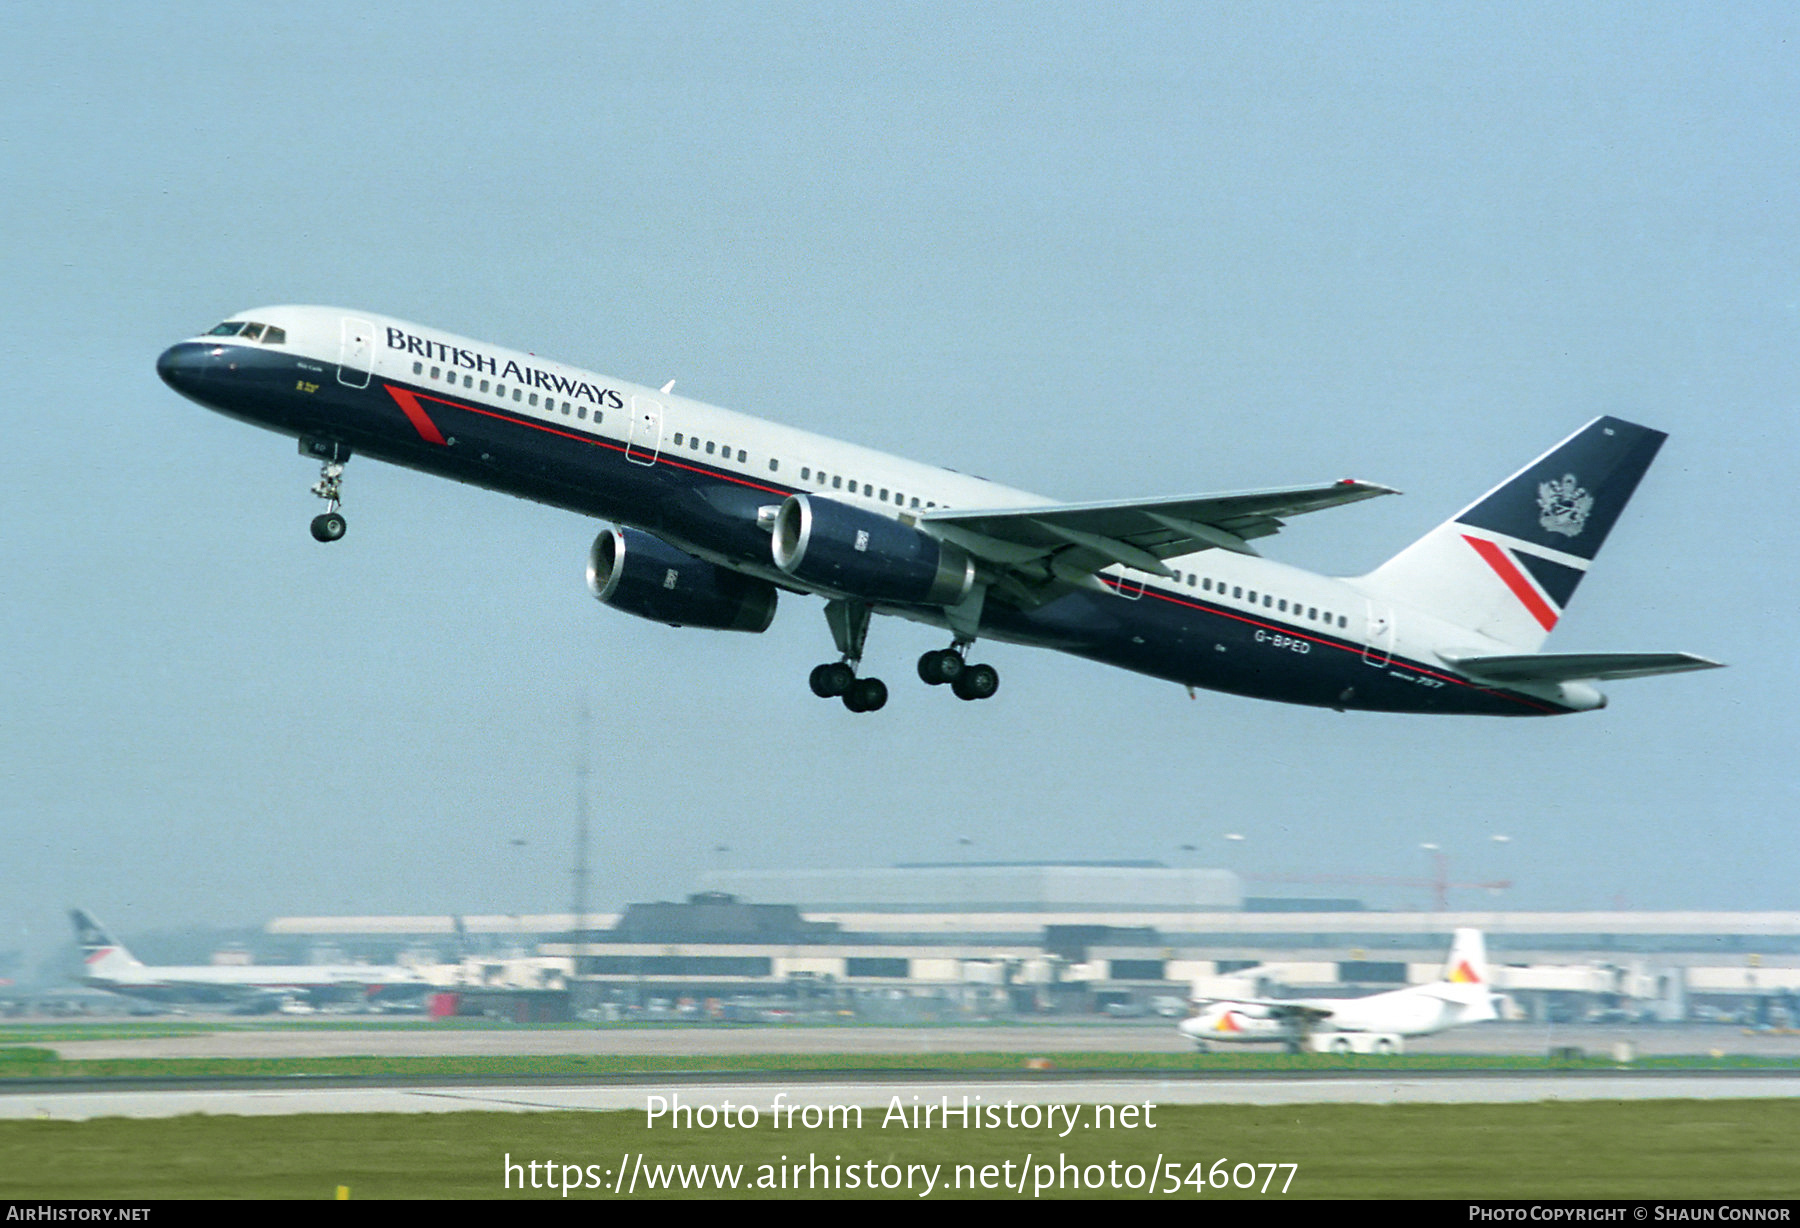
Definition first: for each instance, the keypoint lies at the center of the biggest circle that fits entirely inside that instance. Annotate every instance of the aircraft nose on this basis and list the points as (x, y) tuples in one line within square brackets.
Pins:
[(183, 367)]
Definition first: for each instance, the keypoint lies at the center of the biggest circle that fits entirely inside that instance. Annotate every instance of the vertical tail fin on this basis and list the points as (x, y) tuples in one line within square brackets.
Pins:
[(1467, 964), (1466, 980), (99, 951), (1507, 565)]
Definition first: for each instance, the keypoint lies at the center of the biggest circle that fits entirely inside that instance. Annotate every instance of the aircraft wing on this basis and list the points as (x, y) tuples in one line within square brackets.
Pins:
[(1579, 666), (1276, 1008), (1075, 540)]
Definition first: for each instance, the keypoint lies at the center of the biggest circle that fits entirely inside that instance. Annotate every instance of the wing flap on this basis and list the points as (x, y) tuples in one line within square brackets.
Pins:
[(1579, 666)]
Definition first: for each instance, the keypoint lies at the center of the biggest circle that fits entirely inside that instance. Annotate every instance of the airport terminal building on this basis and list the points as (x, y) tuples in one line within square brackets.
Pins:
[(972, 939)]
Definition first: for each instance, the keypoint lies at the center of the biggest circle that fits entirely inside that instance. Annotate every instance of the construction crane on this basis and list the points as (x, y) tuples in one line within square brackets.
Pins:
[(1439, 882)]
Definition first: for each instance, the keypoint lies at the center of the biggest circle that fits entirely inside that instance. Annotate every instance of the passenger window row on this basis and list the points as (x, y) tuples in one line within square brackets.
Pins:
[(450, 376), (722, 450), (867, 489), (693, 443), (1268, 601)]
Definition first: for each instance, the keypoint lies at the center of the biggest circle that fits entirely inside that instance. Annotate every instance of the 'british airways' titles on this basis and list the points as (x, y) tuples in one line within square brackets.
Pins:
[(527, 376)]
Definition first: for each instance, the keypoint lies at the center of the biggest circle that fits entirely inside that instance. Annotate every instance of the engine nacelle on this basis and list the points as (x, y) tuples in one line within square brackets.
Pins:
[(864, 554), (632, 571)]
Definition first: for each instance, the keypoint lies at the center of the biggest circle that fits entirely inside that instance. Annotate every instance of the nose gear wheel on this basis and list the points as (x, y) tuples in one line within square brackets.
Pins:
[(328, 527)]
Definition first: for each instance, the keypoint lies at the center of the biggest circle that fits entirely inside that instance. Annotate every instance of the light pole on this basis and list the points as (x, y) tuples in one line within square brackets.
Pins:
[(1440, 876)]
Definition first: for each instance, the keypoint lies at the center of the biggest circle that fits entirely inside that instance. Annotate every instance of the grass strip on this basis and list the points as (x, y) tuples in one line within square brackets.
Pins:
[(1733, 1149)]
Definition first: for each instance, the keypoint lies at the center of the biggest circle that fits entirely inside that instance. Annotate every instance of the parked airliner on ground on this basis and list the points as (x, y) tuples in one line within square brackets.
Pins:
[(252, 986), (717, 512), (1373, 1024)]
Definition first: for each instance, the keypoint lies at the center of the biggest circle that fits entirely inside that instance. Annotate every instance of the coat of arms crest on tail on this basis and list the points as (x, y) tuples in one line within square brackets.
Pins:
[(1563, 506)]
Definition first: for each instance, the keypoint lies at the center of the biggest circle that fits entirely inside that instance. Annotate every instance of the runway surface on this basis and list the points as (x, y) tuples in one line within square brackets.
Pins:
[(1126, 1036), (877, 1095), (1149, 1036)]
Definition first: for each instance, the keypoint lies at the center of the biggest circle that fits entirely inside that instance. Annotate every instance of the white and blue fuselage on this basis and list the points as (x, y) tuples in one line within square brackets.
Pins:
[(719, 510)]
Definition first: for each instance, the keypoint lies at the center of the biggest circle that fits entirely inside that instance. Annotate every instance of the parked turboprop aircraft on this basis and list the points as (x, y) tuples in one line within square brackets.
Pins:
[(717, 512), (257, 986), (1371, 1024)]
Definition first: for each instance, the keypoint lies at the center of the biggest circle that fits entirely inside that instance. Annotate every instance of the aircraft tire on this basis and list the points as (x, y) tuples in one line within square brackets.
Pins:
[(328, 527), (977, 682), (832, 679), (866, 695), (939, 667)]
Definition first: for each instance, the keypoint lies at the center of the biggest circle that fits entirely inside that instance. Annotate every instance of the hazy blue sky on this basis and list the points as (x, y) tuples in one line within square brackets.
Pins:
[(1091, 251)]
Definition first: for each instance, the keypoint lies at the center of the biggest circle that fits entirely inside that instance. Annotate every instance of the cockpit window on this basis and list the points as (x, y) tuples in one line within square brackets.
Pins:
[(268, 334)]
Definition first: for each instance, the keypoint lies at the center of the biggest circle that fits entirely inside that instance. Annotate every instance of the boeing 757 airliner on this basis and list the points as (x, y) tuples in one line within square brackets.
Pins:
[(715, 513)]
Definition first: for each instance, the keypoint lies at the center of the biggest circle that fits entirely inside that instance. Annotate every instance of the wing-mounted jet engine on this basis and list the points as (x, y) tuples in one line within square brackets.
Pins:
[(633, 571), (871, 559), (867, 556)]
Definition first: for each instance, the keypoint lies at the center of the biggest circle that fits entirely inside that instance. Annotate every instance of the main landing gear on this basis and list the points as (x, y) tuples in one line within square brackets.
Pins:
[(329, 525), (838, 679), (849, 622), (947, 667)]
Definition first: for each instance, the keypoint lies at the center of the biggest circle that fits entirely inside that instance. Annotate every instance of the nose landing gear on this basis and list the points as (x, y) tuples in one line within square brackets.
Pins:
[(329, 526)]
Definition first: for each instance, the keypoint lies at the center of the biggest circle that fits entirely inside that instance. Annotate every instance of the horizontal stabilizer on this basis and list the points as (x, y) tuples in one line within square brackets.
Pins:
[(1579, 666), (1464, 994)]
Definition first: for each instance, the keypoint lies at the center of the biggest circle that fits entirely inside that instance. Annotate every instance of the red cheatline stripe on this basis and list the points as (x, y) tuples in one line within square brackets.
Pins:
[(415, 414), (1515, 580), (663, 459), (1117, 585)]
